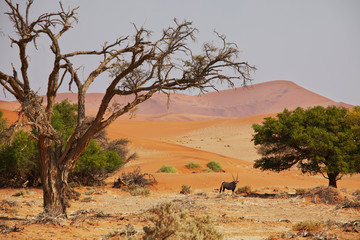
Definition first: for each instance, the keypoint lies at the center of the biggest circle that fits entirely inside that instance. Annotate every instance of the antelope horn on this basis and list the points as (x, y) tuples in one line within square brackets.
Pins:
[(233, 177), (237, 176)]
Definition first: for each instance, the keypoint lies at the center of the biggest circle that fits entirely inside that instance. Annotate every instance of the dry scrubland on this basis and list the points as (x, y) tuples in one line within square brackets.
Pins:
[(269, 207), (106, 213)]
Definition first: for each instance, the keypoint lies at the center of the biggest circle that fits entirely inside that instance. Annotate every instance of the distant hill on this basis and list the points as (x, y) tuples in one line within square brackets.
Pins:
[(262, 98)]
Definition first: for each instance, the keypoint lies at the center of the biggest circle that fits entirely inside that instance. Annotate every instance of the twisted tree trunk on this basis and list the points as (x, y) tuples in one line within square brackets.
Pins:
[(52, 179)]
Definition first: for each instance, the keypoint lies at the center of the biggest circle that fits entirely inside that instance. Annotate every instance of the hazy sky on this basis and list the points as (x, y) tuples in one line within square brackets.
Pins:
[(314, 43)]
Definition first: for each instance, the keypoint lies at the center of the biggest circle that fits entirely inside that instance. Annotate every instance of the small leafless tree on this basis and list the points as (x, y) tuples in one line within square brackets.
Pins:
[(138, 67)]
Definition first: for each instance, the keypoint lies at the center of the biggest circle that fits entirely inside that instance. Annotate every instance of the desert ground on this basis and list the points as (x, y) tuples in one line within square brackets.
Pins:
[(161, 136)]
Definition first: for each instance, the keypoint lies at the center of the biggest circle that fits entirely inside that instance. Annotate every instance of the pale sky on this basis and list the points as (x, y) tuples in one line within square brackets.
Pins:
[(314, 43)]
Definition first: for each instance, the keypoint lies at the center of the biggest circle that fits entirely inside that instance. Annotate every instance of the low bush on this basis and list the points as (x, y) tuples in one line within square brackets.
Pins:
[(327, 195), (193, 165), (310, 226), (214, 166), (167, 169), (94, 165), (136, 182), (19, 161), (173, 221)]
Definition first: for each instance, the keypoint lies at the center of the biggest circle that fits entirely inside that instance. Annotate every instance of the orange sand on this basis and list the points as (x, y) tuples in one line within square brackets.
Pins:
[(195, 129)]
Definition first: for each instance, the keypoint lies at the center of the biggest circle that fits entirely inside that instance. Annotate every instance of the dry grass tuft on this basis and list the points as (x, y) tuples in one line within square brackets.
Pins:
[(137, 190), (356, 194), (310, 226), (173, 221), (244, 190), (136, 177), (327, 195), (185, 189), (300, 191)]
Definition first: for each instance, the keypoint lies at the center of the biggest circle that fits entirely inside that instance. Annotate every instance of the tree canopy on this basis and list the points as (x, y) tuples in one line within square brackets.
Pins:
[(316, 140)]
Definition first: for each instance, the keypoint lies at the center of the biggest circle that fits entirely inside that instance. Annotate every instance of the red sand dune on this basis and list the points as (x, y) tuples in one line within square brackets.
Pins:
[(268, 97), (176, 136)]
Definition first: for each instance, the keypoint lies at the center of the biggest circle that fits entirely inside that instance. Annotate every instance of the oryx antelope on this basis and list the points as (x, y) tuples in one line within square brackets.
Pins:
[(229, 185)]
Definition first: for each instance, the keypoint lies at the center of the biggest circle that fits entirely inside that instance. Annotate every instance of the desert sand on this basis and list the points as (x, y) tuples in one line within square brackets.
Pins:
[(226, 141), (161, 137)]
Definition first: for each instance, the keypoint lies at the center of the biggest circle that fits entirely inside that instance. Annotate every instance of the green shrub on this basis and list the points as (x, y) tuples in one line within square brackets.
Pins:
[(173, 221), (193, 165), (19, 161), (214, 166), (3, 126), (167, 169), (64, 118), (19, 154), (94, 165), (307, 226)]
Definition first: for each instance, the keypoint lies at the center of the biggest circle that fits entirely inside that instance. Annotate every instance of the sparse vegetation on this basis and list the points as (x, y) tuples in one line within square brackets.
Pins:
[(207, 170), (167, 169), (300, 191), (310, 226), (214, 166), (128, 231), (135, 181), (173, 221), (136, 190), (22, 192), (282, 195), (352, 226), (327, 195), (193, 165), (101, 217), (222, 195), (185, 189), (356, 194), (246, 189)]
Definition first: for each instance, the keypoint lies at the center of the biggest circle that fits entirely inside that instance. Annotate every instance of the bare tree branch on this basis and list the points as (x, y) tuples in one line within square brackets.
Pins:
[(135, 65)]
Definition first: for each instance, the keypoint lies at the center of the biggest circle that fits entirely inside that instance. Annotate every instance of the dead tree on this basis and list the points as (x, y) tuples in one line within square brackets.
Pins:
[(138, 67)]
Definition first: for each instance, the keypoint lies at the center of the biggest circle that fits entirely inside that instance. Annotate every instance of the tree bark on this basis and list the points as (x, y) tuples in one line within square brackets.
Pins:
[(52, 179), (332, 179)]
